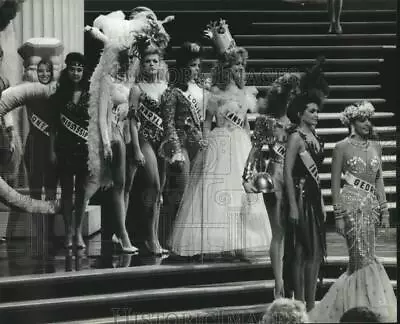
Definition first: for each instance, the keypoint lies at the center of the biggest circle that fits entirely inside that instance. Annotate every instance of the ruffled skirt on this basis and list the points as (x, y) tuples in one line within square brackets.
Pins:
[(216, 215)]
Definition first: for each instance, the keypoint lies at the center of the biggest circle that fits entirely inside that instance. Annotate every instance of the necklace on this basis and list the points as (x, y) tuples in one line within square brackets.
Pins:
[(359, 144)]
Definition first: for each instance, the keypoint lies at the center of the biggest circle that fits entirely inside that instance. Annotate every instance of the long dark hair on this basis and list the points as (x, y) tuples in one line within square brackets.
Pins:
[(66, 86)]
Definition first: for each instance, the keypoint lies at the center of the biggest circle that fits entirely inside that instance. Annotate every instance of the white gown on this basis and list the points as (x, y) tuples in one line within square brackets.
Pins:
[(216, 215)]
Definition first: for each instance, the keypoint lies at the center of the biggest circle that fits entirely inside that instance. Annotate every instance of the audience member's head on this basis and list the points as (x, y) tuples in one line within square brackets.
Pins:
[(359, 315), (284, 310)]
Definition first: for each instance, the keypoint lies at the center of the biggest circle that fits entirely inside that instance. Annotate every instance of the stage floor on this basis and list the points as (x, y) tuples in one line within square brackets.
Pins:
[(18, 258)]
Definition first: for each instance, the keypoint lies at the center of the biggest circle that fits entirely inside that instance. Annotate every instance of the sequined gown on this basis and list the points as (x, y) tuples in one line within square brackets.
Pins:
[(216, 215), (365, 283)]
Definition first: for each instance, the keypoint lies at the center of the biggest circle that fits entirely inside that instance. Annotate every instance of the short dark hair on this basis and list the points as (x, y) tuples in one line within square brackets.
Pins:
[(360, 315)]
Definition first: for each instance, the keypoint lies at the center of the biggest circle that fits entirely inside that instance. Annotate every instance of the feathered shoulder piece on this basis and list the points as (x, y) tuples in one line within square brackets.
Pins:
[(283, 90), (313, 81)]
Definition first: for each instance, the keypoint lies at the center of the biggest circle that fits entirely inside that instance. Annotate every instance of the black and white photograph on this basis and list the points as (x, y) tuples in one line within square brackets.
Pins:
[(198, 161)]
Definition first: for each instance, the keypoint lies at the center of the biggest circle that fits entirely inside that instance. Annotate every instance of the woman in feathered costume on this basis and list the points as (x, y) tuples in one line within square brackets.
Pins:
[(108, 107)]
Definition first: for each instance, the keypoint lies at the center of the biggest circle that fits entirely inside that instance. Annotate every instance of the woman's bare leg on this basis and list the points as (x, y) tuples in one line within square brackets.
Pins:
[(67, 185), (274, 208), (118, 193)]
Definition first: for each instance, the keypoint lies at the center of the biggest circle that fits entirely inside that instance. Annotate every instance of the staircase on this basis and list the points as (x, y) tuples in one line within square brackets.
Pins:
[(280, 37), (287, 37)]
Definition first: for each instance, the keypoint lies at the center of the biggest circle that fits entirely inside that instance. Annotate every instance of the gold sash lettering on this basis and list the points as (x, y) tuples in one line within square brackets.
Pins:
[(40, 124), (73, 127), (151, 116)]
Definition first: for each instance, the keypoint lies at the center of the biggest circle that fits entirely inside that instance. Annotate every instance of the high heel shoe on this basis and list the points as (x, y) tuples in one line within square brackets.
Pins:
[(158, 251), (129, 250)]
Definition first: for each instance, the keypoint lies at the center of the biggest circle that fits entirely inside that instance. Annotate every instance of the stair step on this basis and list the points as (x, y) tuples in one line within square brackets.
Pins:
[(329, 116), (331, 146), (391, 205), (319, 27), (268, 75), (385, 174), (168, 299), (239, 293), (368, 87), (345, 130), (296, 25), (228, 314), (380, 37), (388, 190), (385, 159), (291, 62), (310, 39)]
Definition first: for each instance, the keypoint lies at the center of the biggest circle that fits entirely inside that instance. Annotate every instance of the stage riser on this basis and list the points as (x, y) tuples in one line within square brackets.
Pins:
[(234, 4), (80, 308), (106, 284), (321, 27)]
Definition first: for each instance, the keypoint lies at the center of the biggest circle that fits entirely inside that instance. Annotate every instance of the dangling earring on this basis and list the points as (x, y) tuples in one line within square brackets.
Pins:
[(352, 131)]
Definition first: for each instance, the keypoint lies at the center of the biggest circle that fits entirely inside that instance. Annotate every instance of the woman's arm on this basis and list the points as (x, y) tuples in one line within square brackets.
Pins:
[(293, 149), (380, 191), (171, 147), (246, 125), (336, 172), (104, 102), (133, 122), (19, 95)]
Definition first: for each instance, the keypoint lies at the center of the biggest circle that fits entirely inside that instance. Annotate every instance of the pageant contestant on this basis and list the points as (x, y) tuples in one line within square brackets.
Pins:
[(358, 207), (216, 215), (13, 98), (183, 115), (272, 130), (306, 235), (110, 86), (69, 139), (145, 110), (40, 166)]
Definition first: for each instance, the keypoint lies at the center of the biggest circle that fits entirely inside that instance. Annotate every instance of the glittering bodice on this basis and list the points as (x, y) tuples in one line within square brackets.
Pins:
[(363, 163), (150, 125)]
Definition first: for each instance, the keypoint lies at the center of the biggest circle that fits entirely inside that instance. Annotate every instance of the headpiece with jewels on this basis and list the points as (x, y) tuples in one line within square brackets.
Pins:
[(218, 32), (363, 109)]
